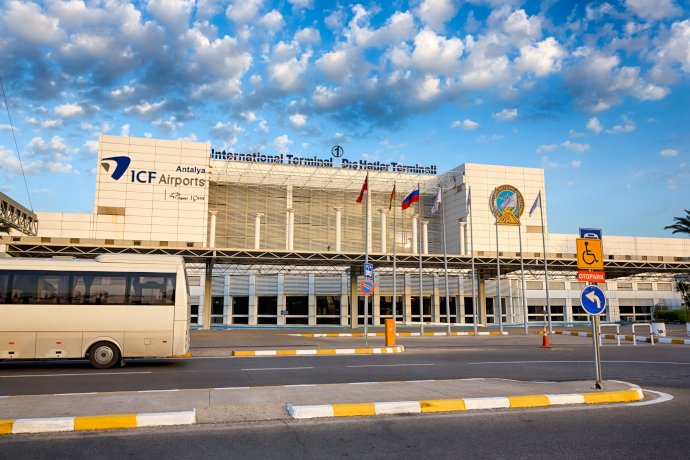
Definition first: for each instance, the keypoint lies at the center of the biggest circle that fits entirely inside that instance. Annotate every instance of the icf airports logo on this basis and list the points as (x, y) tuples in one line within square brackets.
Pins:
[(121, 165), (507, 205)]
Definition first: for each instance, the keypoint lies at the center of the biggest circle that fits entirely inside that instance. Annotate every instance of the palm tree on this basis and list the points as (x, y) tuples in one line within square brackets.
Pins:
[(682, 224), (5, 230)]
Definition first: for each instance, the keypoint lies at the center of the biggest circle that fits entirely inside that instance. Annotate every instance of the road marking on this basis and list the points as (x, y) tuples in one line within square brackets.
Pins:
[(392, 365), (664, 397), (547, 362), (70, 375), (278, 369)]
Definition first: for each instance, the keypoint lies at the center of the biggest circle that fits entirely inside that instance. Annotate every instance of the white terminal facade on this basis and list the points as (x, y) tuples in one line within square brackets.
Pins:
[(153, 192)]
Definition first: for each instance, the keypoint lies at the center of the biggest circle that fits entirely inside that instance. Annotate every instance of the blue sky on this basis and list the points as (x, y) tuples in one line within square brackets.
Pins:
[(595, 93)]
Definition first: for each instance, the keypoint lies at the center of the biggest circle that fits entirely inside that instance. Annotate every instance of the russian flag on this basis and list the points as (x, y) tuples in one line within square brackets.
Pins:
[(411, 198)]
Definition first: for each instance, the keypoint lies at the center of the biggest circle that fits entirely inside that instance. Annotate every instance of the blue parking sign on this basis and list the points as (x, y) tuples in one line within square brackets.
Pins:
[(369, 271), (590, 233), (593, 300)]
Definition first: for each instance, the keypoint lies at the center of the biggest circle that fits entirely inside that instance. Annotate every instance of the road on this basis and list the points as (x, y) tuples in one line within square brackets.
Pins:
[(609, 431)]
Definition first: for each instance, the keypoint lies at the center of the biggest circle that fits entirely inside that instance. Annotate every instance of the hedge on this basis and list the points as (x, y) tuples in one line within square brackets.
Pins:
[(671, 316)]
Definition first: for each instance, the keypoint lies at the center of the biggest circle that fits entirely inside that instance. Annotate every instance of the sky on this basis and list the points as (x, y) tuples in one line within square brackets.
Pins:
[(595, 93)]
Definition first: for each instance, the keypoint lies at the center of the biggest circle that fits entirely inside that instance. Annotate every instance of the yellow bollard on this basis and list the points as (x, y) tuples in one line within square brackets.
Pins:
[(390, 332)]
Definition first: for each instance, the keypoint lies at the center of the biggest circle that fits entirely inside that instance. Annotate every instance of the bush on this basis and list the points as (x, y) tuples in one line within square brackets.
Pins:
[(671, 316)]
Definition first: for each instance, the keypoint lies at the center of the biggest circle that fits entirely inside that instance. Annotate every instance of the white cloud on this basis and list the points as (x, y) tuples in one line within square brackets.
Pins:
[(284, 68), (548, 164), (28, 23), (595, 125), (85, 126), (91, 146), (282, 143), (574, 133), (263, 126), (575, 147), (7, 128), (243, 11), (505, 115), (467, 124), (248, 116), (429, 88), (191, 138), (148, 135), (305, 145), (82, 109), (334, 21), (298, 119), (542, 58), (339, 139), (436, 13), (668, 153), (41, 191), (626, 127), (399, 27), (432, 53), (124, 131), (44, 124), (227, 132), (301, 4), (483, 139), (168, 127), (341, 63), (273, 21), (653, 9), (145, 108), (173, 13), (308, 35), (576, 163), (547, 148)]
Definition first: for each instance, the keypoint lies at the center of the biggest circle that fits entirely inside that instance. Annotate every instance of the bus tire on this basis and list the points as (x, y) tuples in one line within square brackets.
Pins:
[(104, 355)]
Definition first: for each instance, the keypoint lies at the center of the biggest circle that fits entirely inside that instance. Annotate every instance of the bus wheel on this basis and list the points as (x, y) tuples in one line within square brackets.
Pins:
[(104, 355)]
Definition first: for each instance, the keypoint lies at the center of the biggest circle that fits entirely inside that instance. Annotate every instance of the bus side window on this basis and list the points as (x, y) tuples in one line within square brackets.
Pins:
[(30, 287), (152, 289), (4, 286), (99, 288)]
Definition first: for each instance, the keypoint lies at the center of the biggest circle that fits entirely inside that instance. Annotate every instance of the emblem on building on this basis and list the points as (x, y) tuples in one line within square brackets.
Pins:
[(507, 205), (337, 151)]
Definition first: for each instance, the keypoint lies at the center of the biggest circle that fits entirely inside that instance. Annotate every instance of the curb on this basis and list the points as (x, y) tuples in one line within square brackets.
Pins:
[(398, 334), (103, 422), (626, 337), (456, 405), (341, 351)]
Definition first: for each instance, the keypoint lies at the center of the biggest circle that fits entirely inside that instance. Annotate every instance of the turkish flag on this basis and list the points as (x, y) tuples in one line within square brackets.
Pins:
[(364, 187)]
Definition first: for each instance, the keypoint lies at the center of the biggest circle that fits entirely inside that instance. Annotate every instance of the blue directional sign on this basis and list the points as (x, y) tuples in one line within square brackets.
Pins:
[(369, 271), (590, 233), (593, 300)]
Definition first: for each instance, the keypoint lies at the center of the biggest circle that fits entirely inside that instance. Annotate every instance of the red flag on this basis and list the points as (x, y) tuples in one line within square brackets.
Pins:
[(364, 187)]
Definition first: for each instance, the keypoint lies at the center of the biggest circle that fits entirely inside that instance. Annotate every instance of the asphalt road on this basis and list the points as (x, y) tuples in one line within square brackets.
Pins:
[(620, 431)]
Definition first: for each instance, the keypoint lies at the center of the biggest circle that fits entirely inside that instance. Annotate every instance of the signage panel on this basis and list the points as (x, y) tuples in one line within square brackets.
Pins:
[(589, 254), (590, 233), (367, 287), (593, 300), (591, 277), (369, 271)]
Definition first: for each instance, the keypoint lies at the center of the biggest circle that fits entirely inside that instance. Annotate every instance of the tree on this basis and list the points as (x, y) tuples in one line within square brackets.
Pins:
[(684, 288), (5, 230), (682, 224)]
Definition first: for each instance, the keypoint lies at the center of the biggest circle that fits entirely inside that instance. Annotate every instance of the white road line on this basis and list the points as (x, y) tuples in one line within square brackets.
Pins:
[(70, 375), (663, 398), (547, 362), (278, 369), (75, 394), (392, 365)]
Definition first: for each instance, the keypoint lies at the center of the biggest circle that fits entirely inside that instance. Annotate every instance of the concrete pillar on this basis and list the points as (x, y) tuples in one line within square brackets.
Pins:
[(253, 301), (281, 298), (354, 293), (376, 304), (288, 205), (212, 233), (463, 251), (436, 301), (343, 302), (407, 298), (425, 237), (414, 233), (257, 230), (338, 210), (384, 230), (207, 297), (312, 299), (568, 311), (481, 308), (291, 228)]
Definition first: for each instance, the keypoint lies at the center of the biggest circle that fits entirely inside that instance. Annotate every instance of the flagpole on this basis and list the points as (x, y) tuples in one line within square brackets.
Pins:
[(445, 261), (546, 269), (366, 261), (395, 297), (419, 230), (522, 275), (498, 285), (474, 299)]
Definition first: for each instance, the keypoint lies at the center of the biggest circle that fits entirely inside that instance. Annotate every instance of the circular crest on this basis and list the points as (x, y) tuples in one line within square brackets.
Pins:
[(507, 205), (337, 151)]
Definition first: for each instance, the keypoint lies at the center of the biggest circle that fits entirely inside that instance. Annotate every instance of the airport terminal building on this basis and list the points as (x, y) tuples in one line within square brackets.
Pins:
[(176, 194)]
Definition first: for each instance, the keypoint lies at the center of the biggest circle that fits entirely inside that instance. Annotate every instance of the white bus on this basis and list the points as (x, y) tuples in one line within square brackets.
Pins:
[(114, 307)]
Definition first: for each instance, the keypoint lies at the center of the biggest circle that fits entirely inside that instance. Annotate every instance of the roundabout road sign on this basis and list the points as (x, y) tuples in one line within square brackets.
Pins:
[(593, 300), (367, 287)]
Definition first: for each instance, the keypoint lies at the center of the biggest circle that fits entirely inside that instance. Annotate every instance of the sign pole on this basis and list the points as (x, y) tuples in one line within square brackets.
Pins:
[(366, 261), (498, 286), (597, 355), (546, 269), (445, 265), (419, 248), (395, 297)]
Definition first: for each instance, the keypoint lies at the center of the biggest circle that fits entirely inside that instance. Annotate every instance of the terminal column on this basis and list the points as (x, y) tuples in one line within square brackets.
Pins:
[(257, 230), (338, 210), (291, 228), (209, 272), (384, 230), (425, 237), (461, 238), (414, 233)]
